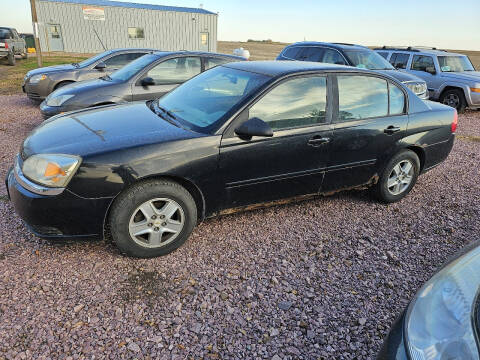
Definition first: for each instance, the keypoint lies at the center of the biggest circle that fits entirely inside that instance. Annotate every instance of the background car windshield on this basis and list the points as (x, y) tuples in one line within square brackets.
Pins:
[(202, 101), (455, 63), (129, 70), (365, 59), (93, 59)]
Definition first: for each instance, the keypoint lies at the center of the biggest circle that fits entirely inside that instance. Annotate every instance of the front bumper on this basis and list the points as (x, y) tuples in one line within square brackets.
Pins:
[(64, 215), (49, 111), (38, 91), (394, 345)]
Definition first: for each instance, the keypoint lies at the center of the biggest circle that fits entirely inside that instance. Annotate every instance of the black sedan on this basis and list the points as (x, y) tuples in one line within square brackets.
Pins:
[(236, 135), (443, 320), (39, 83), (146, 78)]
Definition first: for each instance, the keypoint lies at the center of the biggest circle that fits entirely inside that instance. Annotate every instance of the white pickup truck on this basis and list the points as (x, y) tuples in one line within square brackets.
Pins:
[(11, 44)]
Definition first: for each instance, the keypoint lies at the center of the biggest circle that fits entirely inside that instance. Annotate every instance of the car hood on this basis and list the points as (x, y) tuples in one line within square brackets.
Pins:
[(51, 69), (101, 130), (83, 87), (472, 76), (401, 76)]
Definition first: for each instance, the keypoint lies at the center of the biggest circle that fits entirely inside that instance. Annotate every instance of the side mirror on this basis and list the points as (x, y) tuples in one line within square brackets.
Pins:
[(254, 127), (147, 81), (100, 66), (430, 70)]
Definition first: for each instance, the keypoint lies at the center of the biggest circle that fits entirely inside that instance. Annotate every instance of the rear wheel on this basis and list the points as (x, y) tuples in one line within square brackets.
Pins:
[(398, 177), (11, 58), (454, 98), (152, 218)]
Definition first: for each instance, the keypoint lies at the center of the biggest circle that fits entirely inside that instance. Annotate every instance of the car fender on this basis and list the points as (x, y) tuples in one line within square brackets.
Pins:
[(455, 84)]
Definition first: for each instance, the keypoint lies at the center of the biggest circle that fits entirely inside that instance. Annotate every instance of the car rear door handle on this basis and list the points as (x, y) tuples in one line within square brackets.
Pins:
[(317, 141), (391, 130)]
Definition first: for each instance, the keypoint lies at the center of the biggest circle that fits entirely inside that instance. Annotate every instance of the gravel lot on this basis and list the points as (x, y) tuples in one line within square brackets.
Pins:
[(323, 278)]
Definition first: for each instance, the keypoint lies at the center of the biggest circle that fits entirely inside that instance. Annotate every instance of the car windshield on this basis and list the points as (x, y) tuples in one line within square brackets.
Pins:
[(455, 63), (367, 59), (202, 102), (131, 69), (93, 59), (4, 34)]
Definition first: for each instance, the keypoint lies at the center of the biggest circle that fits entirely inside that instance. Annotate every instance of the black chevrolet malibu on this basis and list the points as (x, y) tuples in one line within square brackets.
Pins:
[(443, 320), (235, 135), (146, 78)]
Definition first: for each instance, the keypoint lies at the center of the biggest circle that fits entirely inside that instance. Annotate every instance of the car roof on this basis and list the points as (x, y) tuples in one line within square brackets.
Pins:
[(418, 50), (338, 46), (197, 53), (111, 51), (280, 68)]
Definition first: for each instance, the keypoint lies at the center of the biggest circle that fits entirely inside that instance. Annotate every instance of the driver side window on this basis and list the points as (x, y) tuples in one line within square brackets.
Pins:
[(294, 103), (175, 71)]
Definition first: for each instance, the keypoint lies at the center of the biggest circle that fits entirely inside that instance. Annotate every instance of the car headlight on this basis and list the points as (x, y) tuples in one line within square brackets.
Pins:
[(52, 170), (440, 320), (37, 78), (58, 100), (417, 87)]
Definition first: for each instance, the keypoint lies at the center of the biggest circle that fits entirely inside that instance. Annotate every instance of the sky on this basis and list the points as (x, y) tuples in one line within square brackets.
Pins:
[(449, 24)]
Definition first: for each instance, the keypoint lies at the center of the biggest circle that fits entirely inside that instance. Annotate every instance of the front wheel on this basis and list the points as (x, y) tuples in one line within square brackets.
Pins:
[(152, 218), (11, 58), (398, 177), (454, 98)]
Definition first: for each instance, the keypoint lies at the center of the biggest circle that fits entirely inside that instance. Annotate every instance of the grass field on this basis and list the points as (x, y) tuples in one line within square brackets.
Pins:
[(11, 76)]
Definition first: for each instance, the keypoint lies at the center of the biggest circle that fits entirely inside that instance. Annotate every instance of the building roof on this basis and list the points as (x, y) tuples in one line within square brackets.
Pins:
[(134, 5)]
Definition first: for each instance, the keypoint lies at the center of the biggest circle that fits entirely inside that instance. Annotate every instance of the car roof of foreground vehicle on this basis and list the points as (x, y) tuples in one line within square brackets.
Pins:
[(342, 46), (279, 68), (418, 49)]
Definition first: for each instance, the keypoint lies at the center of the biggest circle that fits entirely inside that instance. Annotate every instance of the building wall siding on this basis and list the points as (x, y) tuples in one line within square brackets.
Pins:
[(164, 30)]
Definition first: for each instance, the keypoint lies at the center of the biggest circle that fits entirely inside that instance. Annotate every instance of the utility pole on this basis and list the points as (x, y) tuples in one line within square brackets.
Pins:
[(35, 33)]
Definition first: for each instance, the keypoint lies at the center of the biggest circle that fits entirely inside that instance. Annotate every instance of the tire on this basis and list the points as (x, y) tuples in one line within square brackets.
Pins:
[(62, 84), (25, 54), (11, 58), (391, 173), (143, 209), (454, 98)]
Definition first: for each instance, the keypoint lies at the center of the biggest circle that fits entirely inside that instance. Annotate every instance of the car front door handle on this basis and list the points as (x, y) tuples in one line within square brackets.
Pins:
[(391, 130), (317, 141)]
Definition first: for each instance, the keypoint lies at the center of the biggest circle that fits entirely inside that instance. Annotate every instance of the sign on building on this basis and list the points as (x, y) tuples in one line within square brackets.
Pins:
[(93, 13)]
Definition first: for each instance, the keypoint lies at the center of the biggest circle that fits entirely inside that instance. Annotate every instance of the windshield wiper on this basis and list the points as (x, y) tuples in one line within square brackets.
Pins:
[(160, 111)]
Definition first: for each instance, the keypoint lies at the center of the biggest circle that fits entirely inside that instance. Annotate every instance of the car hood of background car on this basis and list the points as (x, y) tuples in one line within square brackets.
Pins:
[(471, 76), (86, 86), (50, 69), (101, 130), (401, 76)]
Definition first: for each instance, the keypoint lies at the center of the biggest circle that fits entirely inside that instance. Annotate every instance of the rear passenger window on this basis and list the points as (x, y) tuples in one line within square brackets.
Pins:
[(361, 97), (291, 52), (421, 63), (399, 60), (333, 57), (212, 62), (397, 100), (294, 103)]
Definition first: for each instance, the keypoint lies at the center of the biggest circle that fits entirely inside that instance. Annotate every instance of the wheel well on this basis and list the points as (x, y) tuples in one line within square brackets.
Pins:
[(451, 88), (420, 153), (62, 83), (191, 188)]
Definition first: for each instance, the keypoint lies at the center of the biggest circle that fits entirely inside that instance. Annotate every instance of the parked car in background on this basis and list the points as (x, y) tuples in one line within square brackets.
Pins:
[(39, 83), (451, 78), (238, 134), (146, 78), (443, 320), (353, 55), (11, 44)]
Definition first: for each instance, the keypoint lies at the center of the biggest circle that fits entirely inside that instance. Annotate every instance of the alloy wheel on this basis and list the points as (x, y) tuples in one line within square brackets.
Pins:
[(452, 100), (400, 177), (156, 222)]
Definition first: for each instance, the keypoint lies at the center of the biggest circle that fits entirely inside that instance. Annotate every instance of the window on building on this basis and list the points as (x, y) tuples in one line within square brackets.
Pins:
[(421, 63), (306, 105), (399, 60), (175, 71), (136, 33), (361, 97)]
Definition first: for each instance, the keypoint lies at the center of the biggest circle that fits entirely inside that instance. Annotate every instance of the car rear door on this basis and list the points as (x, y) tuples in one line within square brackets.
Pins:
[(369, 120), (167, 75), (290, 163)]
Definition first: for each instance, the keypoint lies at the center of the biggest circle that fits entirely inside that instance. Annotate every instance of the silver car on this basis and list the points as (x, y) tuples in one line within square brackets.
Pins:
[(39, 83), (451, 78)]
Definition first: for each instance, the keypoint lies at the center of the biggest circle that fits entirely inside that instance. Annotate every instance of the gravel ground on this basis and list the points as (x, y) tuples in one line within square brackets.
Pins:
[(323, 278)]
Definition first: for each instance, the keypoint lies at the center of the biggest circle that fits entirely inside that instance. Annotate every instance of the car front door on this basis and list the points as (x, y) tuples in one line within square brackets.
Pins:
[(291, 162), (166, 75), (425, 68), (370, 119)]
